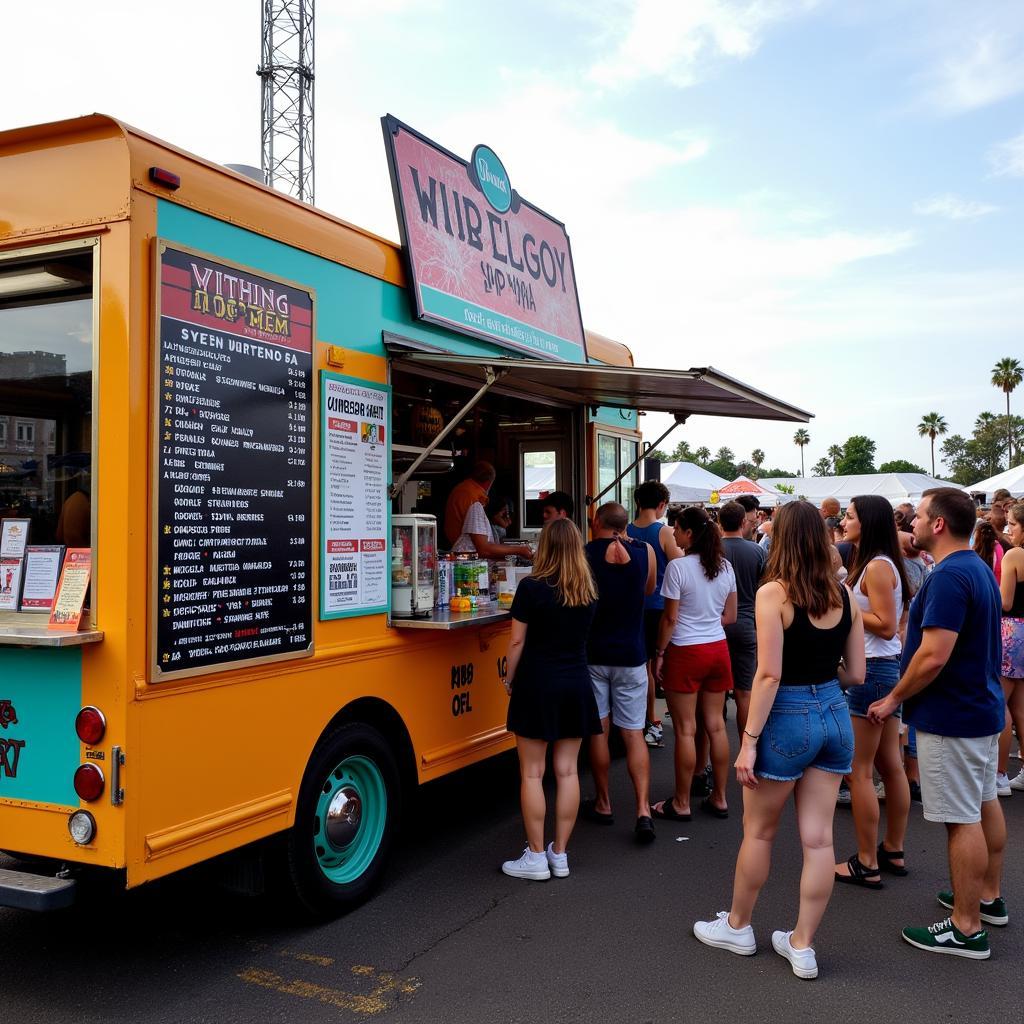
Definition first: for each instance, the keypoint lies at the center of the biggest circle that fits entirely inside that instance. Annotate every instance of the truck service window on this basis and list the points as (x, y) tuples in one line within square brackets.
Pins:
[(46, 367)]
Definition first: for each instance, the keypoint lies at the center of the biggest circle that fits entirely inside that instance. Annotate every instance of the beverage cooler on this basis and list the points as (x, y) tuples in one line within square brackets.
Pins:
[(413, 565)]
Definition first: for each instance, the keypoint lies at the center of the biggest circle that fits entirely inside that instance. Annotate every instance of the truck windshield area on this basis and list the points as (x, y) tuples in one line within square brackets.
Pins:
[(46, 393)]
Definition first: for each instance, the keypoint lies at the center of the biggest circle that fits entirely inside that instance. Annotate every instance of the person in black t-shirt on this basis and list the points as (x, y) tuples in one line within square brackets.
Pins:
[(551, 696)]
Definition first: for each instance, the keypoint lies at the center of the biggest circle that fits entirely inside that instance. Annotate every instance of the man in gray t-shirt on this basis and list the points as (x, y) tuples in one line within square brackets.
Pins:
[(748, 561)]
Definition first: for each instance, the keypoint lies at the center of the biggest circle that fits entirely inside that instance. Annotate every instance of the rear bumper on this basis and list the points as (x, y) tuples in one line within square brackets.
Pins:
[(27, 891)]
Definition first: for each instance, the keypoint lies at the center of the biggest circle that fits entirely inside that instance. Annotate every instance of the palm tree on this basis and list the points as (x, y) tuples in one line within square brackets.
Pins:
[(821, 467), (933, 425), (702, 455), (757, 457), (1007, 374), (835, 453), (801, 438)]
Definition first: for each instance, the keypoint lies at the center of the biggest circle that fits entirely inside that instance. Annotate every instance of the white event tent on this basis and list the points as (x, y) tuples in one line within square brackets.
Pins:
[(686, 481), (894, 487), (1012, 480)]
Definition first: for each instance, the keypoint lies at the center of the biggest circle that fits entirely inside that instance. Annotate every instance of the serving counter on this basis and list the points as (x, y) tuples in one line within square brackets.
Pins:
[(443, 618)]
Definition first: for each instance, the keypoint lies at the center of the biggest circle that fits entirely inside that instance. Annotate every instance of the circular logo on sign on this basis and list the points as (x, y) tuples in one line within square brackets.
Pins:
[(489, 176)]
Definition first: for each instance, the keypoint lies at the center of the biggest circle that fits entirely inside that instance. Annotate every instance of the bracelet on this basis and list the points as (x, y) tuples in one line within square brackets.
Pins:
[(751, 735), (660, 654)]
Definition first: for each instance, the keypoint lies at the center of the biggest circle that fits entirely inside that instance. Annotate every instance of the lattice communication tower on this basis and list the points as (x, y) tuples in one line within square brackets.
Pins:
[(286, 70)]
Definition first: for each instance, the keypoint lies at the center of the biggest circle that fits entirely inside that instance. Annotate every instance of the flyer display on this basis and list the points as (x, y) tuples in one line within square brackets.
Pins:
[(42, 569), (355, 512), (10, 583), (14, 537), (72, 590), (233, 460)]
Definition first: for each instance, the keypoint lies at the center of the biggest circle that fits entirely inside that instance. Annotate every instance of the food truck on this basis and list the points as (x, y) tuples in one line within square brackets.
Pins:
[(228, 426)]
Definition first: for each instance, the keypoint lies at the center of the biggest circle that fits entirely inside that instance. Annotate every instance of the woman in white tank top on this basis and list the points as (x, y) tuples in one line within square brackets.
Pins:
[(878, 583)]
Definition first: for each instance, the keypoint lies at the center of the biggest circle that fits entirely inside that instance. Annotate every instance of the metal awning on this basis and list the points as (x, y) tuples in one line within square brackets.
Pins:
[(699, 391)]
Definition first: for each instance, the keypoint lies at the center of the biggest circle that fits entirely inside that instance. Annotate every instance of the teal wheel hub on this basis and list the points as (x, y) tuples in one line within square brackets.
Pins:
[(350, 817)]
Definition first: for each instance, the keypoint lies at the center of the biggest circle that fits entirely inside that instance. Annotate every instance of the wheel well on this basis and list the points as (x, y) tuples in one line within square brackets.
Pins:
[(387, 721)]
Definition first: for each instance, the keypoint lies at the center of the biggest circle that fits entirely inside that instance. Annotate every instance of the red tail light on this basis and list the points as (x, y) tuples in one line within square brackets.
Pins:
[(90, 725), (89, 782)]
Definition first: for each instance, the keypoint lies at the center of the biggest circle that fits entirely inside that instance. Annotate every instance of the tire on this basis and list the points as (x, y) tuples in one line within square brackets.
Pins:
[(334, 866)]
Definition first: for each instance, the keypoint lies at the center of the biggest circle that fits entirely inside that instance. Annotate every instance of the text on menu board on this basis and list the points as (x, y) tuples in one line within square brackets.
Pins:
[(234, 466), (355, 434)]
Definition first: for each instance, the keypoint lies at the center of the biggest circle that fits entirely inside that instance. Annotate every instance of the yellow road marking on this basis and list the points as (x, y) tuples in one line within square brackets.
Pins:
[(368, 1005), (309, 958)]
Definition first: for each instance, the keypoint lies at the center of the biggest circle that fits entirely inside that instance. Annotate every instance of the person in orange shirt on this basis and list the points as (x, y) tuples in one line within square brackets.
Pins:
[(473, 489)]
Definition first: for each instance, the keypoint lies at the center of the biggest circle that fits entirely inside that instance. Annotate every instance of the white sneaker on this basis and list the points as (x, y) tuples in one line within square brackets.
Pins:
[(654, 735), (880, 791), (802, 961), (843, 797), (557, 862), (530, 865), (721, 934), (1018, 781), (1003, 784)]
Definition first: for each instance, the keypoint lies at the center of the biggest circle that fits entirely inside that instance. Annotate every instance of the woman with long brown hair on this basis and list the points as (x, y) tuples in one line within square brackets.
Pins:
[(798, 737), (552, 700), (692, 660)]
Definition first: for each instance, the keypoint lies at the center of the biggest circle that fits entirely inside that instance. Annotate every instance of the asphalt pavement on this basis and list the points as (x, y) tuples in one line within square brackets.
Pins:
[(449, 938)]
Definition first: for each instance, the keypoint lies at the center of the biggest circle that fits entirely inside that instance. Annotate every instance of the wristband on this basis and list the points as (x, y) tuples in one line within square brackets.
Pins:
[(751, 735)]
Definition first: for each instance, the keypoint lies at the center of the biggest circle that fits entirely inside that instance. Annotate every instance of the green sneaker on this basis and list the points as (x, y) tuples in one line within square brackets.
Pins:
[(992, 911), (945, 937)]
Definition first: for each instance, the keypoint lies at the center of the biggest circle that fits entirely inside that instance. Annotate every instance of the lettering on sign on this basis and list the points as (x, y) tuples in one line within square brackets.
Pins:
[(461, 680), (8, 716), (10, 749)]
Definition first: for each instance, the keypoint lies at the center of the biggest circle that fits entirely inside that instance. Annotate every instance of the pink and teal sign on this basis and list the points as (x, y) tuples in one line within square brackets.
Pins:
[(482, 260)]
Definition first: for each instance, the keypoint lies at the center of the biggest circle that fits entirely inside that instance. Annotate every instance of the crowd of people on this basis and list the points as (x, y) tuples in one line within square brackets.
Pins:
[(877, 642)]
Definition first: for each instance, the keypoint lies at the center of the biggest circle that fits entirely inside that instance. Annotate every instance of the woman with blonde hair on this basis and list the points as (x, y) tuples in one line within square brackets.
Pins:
[(552, 700), (798, 737)]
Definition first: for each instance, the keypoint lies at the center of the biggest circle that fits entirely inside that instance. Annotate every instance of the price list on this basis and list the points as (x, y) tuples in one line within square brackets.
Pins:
[(233, 512)]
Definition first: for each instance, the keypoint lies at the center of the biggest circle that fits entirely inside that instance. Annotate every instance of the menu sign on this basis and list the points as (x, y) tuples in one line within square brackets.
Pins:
[(355, 460), (482, 259), (233, 465)]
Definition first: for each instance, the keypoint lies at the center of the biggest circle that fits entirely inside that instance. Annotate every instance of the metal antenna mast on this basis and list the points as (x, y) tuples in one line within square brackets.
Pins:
[(286, 71)]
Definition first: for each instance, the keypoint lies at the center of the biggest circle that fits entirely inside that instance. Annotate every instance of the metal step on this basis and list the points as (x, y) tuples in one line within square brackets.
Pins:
[(26, 891)]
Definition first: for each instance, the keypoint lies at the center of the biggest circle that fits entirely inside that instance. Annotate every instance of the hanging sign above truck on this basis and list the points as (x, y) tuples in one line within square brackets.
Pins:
[(232, 551), (481, 259)]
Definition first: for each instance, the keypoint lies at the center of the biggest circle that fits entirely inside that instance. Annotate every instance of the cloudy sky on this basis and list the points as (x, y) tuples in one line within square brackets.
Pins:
[(821, 197)]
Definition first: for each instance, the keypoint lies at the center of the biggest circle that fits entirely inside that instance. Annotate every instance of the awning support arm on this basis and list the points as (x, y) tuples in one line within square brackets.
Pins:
[(490, 379), (680, 419)]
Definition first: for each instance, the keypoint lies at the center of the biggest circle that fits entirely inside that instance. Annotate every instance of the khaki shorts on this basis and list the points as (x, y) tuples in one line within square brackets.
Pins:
[(958, 775)]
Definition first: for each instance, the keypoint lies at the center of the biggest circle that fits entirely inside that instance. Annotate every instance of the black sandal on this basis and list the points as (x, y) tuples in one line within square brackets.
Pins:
[(860, 875), (885, 861)]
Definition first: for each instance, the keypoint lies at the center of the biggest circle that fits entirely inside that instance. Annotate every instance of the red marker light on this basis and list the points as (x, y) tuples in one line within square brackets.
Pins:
[(90, 725), (89, 782), (168, 179)]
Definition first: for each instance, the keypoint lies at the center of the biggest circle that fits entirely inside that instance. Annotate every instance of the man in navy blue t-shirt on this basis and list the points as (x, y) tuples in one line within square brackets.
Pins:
[(624, 571), (951, 694)]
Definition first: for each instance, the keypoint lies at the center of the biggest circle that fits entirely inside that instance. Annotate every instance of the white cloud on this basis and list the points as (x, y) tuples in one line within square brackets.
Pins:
[(1007, 158), (953, 207), (984, 68), (674, 39)]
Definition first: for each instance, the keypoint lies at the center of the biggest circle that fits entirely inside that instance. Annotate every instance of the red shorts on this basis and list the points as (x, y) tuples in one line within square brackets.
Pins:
[(697, 667)]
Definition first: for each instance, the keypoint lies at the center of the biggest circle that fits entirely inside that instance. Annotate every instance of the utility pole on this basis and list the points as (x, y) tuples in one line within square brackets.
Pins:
[(286, 70)]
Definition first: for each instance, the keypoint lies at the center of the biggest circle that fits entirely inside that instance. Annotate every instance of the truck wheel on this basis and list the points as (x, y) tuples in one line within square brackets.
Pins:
[(346, 820)]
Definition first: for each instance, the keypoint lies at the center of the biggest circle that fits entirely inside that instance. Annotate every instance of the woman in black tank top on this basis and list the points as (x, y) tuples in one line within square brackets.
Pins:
[(798, 736), (1011, 589)]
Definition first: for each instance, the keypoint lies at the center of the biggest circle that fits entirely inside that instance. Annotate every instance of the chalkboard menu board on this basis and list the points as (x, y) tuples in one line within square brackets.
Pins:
[(233, 466)]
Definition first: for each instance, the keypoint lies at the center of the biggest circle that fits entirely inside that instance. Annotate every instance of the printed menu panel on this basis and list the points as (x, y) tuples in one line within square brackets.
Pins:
[(233, 466), (355, 460)]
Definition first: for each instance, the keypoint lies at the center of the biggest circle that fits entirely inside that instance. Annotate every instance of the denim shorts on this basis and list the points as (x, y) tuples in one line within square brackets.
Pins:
[(880, 680), (808, 727)]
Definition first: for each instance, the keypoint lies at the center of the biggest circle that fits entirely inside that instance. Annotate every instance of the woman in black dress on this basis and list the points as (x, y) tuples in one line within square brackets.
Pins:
[(551, 696)]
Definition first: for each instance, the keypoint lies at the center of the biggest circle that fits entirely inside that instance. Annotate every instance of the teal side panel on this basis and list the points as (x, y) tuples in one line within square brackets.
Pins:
[(40, 695), (352, 309), (625, 418)]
